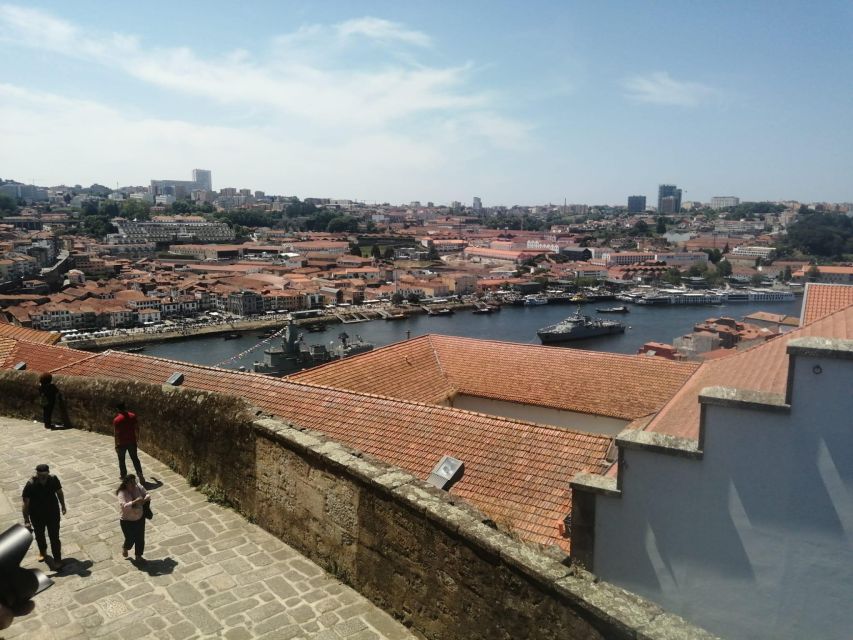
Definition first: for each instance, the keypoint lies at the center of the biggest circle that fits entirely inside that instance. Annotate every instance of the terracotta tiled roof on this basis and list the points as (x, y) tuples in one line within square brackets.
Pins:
[(39, 357), (408, 370), (761, 368), (31, 335), (606, 384), (822, 299), (516, 472)]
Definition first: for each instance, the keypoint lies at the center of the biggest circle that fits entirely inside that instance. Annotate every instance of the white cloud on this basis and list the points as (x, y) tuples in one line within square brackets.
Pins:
[(661, 88), (310, 119), (379, 29)]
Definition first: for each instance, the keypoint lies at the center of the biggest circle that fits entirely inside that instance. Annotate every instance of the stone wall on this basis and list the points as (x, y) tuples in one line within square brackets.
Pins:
[(415, 551)]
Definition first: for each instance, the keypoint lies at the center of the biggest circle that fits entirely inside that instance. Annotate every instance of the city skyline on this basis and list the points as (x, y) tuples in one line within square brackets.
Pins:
[(395, 103)]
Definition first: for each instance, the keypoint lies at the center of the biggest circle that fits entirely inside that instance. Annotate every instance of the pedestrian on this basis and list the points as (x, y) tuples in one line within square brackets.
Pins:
[(126, 437), (131, 498), (49, 394), (42, 497)]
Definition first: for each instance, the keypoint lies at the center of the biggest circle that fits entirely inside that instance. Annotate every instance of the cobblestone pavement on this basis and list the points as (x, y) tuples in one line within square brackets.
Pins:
[(209, 574)]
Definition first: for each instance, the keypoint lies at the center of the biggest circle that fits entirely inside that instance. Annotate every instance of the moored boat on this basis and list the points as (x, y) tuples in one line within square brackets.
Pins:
[(619, 309), (577, 327)]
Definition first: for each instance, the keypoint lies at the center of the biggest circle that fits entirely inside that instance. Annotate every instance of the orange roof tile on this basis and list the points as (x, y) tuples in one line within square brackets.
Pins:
[(820, 300), (31, 335), (606, 384), (40, 357), (516, 472)]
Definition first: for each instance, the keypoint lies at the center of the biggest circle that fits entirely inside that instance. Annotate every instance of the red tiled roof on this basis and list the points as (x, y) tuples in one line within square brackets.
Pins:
[(516, 472), (820, 300), (606, 384), (31, 335), (40, 357), (761, 368)]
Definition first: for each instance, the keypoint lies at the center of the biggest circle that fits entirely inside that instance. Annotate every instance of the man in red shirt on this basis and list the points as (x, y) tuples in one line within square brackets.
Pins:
[(127, 435)]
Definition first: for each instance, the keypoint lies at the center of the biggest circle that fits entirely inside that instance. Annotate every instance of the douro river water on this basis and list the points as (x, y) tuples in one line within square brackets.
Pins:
[(511, 324)]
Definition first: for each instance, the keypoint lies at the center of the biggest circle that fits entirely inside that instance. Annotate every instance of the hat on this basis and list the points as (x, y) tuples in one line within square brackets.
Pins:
[(42, 468)]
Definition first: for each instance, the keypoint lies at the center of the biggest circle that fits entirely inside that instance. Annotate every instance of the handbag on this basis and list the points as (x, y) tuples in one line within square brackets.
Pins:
[(146, 510)]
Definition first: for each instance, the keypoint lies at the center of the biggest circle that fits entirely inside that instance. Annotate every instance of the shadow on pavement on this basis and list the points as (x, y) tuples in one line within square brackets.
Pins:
[(161, 567), (149, 485), (72, 567)]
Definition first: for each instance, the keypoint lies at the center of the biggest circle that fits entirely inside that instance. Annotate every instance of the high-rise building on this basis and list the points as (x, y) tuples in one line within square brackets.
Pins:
[(478, 204), (636, 204), (669, 198), (182, 188), (203, 178), (723, 202)]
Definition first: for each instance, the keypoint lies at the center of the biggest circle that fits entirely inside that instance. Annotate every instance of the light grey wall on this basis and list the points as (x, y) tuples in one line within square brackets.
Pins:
[(756, 539), (542, 415)]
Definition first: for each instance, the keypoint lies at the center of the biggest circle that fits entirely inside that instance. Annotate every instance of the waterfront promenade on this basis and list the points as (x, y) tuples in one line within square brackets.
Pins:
[(210, 574)]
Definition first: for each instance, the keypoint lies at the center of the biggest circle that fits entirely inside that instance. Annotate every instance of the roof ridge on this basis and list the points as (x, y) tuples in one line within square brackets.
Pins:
[(450, 383), (434, 407)]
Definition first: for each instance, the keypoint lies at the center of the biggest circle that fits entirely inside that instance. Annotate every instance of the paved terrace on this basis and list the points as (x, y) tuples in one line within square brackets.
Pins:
[(209, 574)]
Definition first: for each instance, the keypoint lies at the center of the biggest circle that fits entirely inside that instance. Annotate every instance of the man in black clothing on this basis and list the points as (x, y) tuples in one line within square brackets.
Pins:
[(49, 394), (42, 497)]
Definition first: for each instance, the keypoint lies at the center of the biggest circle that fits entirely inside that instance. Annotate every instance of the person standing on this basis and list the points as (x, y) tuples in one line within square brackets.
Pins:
[(126, 437), (49, 394), (131, 498), (42, 497)]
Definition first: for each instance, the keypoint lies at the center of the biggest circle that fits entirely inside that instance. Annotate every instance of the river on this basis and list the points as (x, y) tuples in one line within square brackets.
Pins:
[(511, 324)]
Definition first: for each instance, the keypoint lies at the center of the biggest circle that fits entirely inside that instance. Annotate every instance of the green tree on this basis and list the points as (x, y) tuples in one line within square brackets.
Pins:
[(182, 207), (714, 255), (786, 274), (376, 252), (396, 298), (389, 253), (756, 279), (414, 298), (724, 268), (813, 273), (661, 226), (340, 224), (8, 206), (136, 210), (433, 254), (355, 250), (640, 228), (672, 276)]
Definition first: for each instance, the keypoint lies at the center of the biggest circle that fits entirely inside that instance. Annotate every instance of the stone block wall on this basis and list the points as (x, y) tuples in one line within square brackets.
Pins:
[(417, 552)]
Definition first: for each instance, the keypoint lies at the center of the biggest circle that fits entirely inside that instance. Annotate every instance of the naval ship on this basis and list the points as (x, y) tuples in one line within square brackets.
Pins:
[(577, 327)]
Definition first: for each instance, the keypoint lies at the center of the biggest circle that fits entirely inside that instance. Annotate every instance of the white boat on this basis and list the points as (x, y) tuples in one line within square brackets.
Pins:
[(533, 300)]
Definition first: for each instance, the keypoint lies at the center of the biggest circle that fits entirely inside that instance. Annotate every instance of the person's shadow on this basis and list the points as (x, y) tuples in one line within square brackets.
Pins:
[(148, 485), (71, 567), (160, 567)]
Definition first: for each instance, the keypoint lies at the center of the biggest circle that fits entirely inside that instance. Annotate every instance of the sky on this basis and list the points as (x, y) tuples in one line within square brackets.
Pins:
[(515, 102)]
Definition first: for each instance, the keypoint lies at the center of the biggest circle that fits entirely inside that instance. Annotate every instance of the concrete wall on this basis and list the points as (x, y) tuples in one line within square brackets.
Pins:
[(542, 415), (425, 558), (755, 539)]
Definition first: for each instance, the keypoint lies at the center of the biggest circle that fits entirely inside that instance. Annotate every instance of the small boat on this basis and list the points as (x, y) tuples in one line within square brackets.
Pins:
[(620, 309), (316, 328), (231, 336), (396, 316), (578, 298), (440, 312), (534, 300), (134, 349), (483, 310)]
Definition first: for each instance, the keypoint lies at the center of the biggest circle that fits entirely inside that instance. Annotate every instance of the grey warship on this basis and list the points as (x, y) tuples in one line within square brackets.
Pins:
[(294, 355), (577, 327)]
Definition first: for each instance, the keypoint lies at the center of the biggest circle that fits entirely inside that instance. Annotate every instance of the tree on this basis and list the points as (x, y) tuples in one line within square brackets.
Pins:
[(414, 298), (756, 280), (396, 298), (376, 252), (724, 268), (136, 210), (8, 206), (786, 274), (714, 255), (355, 250), (433, 254), (389, 253), (640, 228), (661, 226), (672, 276), (339, 224), (182, 207), (813, 273)]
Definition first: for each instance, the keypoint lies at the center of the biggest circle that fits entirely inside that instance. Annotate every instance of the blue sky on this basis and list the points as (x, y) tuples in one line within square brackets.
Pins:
[(518, 103)]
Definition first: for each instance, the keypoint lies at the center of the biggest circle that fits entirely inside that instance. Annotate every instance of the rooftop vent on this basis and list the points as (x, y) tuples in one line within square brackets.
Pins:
[(20, 366), (446, 473), (176, 379)]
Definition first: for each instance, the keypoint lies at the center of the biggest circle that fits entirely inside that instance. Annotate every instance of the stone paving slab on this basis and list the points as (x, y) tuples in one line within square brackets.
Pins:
[(210, 574)]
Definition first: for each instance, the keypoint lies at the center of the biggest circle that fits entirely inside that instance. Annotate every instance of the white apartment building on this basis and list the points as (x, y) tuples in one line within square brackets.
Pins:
[(723, 202), (753, 252)]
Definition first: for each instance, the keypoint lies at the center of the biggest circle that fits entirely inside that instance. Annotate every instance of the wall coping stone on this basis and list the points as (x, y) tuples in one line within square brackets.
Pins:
[(821, 348), (659, 443), (594, 483), (744, 399)]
